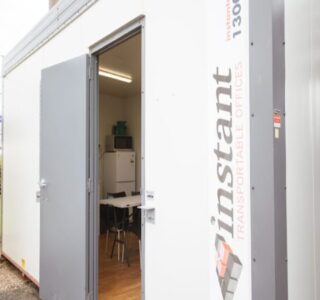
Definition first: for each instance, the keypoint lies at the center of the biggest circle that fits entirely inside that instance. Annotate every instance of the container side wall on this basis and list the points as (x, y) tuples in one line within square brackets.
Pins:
[(177, 245), (21, 132), (229, 137)]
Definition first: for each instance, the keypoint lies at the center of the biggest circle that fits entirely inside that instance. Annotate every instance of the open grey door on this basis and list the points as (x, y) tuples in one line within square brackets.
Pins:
[(64, 180)]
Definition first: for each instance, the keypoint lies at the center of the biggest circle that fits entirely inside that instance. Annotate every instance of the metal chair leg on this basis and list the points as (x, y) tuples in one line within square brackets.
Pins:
[(123, 245), (127, 251), (140, 254), (119, 236), (107, 240), (113, 245)]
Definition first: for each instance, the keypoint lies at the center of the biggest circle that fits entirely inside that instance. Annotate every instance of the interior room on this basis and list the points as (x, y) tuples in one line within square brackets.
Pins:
[(120, 170)]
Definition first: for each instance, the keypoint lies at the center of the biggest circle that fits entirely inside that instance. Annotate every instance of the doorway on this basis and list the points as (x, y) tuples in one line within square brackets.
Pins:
[(120, 169)]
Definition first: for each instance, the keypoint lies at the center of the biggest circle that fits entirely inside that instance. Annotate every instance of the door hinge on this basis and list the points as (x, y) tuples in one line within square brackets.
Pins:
[(90, 71), (90, 185), (92, 68), (90, 296)]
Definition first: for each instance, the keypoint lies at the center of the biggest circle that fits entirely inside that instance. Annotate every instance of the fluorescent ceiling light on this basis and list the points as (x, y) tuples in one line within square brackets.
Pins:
[(114, 75)]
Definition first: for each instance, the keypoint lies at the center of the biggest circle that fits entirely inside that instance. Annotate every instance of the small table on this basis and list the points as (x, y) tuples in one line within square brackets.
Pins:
[(123, 202)]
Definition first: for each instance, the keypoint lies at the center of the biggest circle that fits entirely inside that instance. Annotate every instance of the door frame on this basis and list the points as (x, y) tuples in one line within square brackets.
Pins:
[(123, 33)]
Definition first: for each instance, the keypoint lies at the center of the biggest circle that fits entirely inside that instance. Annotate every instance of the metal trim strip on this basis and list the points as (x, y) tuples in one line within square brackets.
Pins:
[(267, 151)]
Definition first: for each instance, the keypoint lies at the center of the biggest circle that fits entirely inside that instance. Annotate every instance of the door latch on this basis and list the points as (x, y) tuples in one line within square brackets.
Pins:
[(149, 213), (43, 184), (41, 194)]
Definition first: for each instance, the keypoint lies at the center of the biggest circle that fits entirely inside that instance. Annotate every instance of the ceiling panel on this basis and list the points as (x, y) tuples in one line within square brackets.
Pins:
[(125, 58)]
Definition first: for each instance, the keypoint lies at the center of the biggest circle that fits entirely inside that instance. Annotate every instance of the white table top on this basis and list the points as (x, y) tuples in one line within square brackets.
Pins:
[(123, 202)]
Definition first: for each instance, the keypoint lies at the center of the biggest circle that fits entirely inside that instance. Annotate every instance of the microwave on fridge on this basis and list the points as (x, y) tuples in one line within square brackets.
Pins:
[(118, 142)]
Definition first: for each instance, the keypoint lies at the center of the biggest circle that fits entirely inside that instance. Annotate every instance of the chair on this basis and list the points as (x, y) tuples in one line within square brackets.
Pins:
[(114, 221)]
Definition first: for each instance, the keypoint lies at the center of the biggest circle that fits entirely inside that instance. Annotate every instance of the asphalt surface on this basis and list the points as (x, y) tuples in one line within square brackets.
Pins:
[(13, 286)]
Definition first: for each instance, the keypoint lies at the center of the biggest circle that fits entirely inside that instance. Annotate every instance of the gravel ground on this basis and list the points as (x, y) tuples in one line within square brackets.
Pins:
[(13, 286)]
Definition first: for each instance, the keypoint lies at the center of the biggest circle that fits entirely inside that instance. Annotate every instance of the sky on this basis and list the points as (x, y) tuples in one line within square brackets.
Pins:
[(17, 18)]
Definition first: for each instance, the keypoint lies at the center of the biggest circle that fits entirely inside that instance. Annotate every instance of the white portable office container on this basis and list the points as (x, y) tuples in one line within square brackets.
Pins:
[(230, 204)]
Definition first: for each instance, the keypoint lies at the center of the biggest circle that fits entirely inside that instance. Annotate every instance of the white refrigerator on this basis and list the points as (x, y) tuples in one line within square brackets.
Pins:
[(119, 170)]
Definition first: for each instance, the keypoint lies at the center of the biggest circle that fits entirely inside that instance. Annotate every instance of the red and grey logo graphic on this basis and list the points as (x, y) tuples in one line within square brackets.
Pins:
[(228, 268)]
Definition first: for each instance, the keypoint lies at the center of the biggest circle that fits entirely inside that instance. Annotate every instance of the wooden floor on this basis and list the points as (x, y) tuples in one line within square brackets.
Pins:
[(117, 281)]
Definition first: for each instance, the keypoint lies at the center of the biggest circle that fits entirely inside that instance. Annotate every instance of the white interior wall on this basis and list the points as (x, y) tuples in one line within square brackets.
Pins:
[(110, 111), (21, 129), (303, 147), (132, 107), (113, 109)]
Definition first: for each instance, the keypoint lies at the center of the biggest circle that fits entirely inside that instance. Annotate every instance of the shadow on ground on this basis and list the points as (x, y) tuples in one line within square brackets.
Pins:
[(13, 286)]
